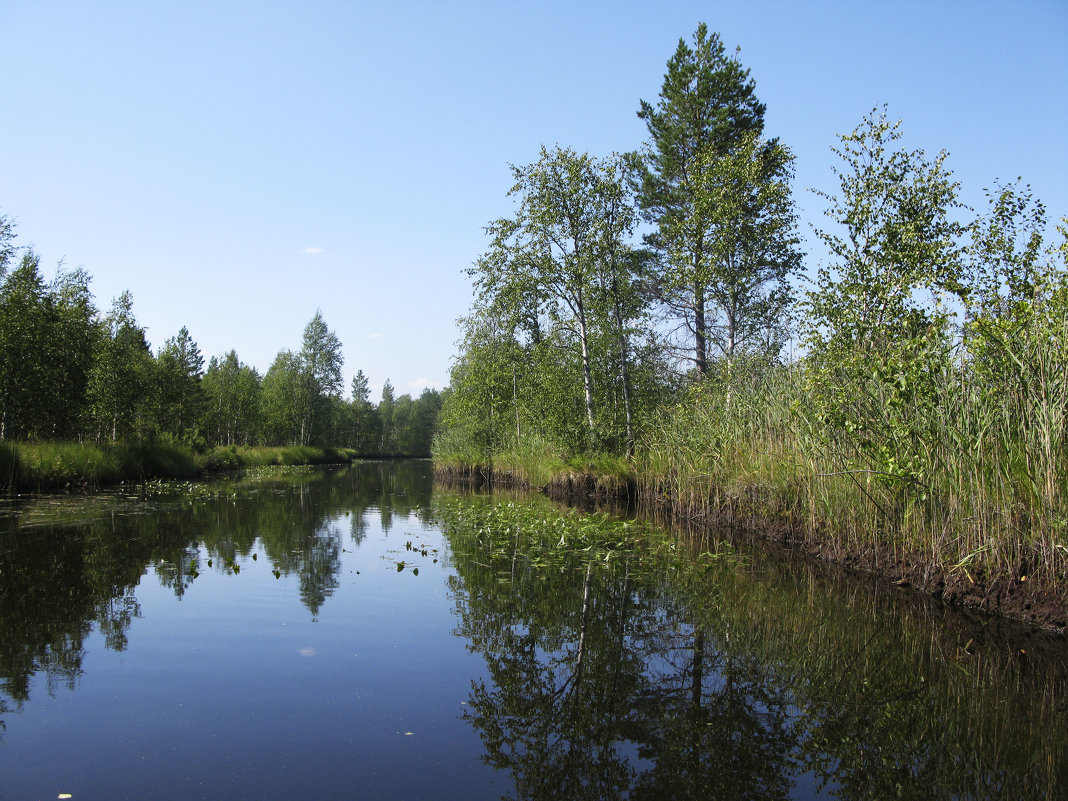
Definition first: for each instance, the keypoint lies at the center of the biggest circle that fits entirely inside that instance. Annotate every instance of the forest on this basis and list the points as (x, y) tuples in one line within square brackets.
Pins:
[(649, 315), (71, 373)]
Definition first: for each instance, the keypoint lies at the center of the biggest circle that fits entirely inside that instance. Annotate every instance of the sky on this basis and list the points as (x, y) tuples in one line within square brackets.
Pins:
[(238, 166)]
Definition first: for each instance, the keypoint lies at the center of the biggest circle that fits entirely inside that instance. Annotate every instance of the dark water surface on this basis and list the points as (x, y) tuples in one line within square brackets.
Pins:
[(315, 634)]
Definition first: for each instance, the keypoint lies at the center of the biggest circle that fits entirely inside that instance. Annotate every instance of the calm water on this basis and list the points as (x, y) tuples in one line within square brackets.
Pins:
[(315, 634)]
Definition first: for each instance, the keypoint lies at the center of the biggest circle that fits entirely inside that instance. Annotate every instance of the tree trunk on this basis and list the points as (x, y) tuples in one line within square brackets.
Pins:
[(700, 357), (587, 377), (515, 403), (624, 374)]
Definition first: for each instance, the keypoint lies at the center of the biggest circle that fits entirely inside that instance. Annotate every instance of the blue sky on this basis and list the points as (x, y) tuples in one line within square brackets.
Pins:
[(238, 165)]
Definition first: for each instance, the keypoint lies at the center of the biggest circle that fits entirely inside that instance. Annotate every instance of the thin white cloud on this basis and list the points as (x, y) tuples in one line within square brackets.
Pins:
[(420, 383), (375, 336), (313, 251)]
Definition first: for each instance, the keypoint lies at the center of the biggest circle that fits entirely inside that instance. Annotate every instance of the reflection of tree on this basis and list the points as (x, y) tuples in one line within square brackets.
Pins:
[(55, 584), (602, 687), (179, 568), (58, 582), (691, 680), (358, 527), (717, 727), (319, 570), (557, 708)]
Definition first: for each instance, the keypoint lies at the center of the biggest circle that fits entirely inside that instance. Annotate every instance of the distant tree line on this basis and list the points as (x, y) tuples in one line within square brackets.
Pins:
[(67, 371)]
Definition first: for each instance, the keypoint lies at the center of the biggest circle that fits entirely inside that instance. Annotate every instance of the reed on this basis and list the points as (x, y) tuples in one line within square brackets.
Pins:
[(46, 465), (981, 465), (37, 466)]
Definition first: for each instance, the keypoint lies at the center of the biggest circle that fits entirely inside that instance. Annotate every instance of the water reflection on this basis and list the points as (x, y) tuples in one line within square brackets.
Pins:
[(60, 581), (651, 674), (684, 679)]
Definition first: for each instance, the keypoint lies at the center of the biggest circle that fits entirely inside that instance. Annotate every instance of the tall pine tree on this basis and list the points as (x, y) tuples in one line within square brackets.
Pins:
[(707, 107)]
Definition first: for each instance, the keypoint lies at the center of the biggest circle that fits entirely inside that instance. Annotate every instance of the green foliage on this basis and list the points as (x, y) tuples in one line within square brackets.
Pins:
[(47, 338), (7, 247), (180, 395), (67, 373), (743, 199), (234, 401), (556, 353), (284, 396), (386, 406), (707, 107), (320, 379), (121, 379), (878, 348), (364, 426), (899, 427)]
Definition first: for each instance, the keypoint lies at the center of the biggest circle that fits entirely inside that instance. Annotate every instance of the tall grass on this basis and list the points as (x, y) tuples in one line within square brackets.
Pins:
[(42, 465), (971, 474), (78, 465), (533, 461)]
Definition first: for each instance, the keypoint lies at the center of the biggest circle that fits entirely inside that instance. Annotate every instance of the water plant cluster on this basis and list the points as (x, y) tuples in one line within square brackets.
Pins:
[(536, 535)]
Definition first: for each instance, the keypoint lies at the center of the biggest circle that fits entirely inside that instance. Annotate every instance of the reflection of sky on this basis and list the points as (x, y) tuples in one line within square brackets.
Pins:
[(236, 692)]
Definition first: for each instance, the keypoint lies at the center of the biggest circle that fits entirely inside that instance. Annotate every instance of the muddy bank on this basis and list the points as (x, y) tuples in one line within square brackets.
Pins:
[(1016, 597)]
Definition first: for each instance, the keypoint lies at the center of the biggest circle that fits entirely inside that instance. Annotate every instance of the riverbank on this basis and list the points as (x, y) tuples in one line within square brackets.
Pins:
[(78, 466), (756, 514)]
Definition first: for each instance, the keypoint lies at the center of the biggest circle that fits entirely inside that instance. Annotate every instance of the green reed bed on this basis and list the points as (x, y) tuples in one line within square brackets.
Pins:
[(967, 473), (42, 465), (235, 458), (76, 465), (532, 462)]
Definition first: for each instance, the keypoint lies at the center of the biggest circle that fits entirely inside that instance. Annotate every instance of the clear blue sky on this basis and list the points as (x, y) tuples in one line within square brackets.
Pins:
[(238, 165)]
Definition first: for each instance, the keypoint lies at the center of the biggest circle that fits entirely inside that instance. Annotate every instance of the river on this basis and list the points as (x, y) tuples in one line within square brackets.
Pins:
[(360, 633)]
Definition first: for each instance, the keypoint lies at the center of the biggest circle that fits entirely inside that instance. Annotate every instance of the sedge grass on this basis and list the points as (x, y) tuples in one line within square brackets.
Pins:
[(44, 465)]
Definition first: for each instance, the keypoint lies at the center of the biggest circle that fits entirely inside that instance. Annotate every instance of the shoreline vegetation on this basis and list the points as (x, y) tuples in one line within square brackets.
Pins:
[(643, 328), (30, 467), (757, 513), (645, 321)]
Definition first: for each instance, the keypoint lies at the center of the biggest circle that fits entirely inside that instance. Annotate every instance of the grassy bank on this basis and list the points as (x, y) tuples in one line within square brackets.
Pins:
[(537, 465), (962, 477), (959, 486), (41, 466)]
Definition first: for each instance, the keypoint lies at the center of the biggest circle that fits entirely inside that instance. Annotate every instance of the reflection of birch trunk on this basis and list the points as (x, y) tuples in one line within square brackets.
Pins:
[(695, 695), (582, 625), (698, 668)]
